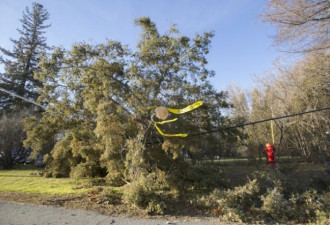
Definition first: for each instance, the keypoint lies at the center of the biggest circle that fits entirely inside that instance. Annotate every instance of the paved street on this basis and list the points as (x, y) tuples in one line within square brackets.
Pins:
[(24, 214)]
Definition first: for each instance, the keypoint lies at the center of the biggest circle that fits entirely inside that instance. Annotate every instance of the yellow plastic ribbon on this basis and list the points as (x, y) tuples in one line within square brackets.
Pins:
[(175, 111), (186, 109), (168, 135)]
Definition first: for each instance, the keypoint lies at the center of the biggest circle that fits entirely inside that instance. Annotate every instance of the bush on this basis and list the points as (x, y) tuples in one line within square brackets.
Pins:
[(11, 138), (267, 198), (237, 204), (205, 177), (156, 208), (144, 196), (85, 170), (307, 207), (137, 195), (301, 208), (276, 206)]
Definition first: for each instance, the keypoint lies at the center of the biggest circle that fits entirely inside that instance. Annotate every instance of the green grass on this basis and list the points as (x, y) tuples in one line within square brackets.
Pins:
[(25, 179)]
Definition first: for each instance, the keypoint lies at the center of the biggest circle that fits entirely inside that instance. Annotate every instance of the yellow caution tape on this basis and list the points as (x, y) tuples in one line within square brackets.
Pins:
[(168, 135), (186, 109), (180, 111), (175, 111), (167, 121)]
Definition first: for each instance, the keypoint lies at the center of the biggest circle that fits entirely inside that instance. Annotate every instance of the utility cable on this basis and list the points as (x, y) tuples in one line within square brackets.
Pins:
[(21, 97), (259, 121), (205, 132)]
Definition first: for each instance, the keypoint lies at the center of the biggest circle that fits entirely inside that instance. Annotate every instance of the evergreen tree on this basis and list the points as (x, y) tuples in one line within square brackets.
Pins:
[(97, 112), (21, 63)]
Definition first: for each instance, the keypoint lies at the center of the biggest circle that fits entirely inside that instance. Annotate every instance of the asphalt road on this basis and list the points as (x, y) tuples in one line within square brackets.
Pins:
[(24, 214)]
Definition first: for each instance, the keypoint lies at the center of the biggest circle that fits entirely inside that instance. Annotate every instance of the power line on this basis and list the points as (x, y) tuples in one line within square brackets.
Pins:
[(205, 132), (21, 97), (256, 122)]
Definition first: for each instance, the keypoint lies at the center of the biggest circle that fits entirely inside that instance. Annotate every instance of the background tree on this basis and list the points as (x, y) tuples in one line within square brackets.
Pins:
[(21, 63), (239, 113), (258, 134), (301, 24), (302, 27), (293, 89), (238, 98)]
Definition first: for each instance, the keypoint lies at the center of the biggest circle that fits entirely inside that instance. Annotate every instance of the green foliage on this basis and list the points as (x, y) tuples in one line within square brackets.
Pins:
[(97, 123), (269, 198), (136, 194), (85, 170), (301, 208), (205, 177), (156, 208), (276, 206), (149, 196), (243, 197)]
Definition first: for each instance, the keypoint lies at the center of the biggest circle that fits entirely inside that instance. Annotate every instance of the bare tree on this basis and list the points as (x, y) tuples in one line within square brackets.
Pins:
[(238, 99), (298, 88), (302, 24)]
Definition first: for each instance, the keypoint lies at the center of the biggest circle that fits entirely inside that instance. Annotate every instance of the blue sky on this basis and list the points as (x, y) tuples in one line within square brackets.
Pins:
[(242, 46)]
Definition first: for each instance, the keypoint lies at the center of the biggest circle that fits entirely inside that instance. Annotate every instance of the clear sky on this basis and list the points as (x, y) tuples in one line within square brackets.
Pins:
[(241, 48)]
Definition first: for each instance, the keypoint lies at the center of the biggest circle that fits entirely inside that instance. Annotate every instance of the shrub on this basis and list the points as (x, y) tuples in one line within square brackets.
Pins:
[(205, 177), (156, 208), (264, 198), (137, 195), (307, 207), (275, 205), (243, 197), (235, 204), (322, 217), (85, 170), (301, 208), (143, 195), (11, 138)]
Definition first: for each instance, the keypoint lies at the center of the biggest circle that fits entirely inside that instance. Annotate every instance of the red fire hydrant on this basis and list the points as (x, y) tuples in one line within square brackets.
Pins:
[(270, 149)]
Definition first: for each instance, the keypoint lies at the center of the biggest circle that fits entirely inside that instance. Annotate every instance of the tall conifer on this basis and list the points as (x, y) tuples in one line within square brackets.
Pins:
[(21, 63)]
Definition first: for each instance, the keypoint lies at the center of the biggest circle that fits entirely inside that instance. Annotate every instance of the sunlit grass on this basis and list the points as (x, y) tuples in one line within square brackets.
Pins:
[(25, 178), (28, 181)]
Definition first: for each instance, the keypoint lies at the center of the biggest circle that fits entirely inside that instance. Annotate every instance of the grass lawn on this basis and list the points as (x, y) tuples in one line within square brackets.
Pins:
[(26, 178)]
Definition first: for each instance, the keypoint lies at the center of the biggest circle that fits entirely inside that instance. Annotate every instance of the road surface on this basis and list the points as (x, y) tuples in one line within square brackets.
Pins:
[(25, 214)]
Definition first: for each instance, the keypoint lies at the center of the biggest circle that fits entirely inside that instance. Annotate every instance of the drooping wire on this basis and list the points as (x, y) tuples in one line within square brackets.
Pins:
[(21, 97), (208, 131), (256, 122)]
